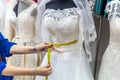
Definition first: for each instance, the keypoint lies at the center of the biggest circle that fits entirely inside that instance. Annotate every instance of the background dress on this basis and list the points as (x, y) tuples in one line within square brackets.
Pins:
[(68, 62), (3, 4), (24, 27), (110, 65), (9, 15)]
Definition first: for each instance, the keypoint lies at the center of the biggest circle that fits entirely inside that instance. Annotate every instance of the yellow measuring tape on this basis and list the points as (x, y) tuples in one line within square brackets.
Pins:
[(58, 45)]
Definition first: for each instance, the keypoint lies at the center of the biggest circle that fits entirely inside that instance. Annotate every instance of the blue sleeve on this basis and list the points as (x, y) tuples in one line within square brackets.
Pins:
[(1, 36), (2, 66), (6, 47)]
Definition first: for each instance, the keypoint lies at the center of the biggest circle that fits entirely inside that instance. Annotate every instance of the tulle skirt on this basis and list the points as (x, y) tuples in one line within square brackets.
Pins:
[(71, 65)]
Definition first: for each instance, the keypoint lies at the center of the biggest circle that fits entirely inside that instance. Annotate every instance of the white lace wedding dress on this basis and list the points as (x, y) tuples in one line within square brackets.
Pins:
[(110, 65), (24, 27), (68, 62)]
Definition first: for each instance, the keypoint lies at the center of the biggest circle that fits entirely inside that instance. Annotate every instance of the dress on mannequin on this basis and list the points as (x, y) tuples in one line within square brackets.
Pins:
[(10, 16), (3, 4), (24, 28), (110, 65), (59, 25)]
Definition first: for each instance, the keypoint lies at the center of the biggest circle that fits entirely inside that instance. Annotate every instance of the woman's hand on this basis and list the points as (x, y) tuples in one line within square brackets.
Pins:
[(43, 47), (16, 49), (15, 71), (44, 71)]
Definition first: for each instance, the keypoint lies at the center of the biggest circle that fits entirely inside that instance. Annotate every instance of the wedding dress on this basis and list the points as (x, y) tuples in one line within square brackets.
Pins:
[(24, 27), (110, 65), (9, 15), (3, 4), (68, 62)]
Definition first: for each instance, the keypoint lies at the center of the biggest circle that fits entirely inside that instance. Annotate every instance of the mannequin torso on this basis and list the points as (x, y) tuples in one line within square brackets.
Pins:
[(60, 4), (60, 23)]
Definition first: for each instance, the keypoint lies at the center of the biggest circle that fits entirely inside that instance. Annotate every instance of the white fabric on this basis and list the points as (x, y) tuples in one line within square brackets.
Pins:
[(91, 4), (110, 65), (86, 20), (10, 16), (68, 62), (24, 27), (113, 9), (3, 4)]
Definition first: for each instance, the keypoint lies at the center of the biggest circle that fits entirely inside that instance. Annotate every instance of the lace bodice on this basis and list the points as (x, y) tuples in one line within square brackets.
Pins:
[(111, 57), (115, 32), (113, 9), (91, 4), (25, 31), (62, 25)]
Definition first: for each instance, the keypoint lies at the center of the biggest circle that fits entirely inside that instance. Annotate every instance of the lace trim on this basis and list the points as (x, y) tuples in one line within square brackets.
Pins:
[(60, 14), (113, 9)]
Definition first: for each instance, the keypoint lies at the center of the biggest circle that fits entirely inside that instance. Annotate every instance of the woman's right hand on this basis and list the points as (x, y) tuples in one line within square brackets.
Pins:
[(43, 47), (44, 70)]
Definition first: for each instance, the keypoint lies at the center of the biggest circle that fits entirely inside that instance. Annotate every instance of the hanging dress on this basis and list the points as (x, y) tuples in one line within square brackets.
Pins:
[(24, 28), (110, 64)]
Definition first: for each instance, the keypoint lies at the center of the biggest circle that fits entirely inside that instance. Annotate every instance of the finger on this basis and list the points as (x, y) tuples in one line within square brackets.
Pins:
[(49, 72), (50, 45), (47, 66), (44, 50), (52, 49), (50, 68), (45, 43)]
